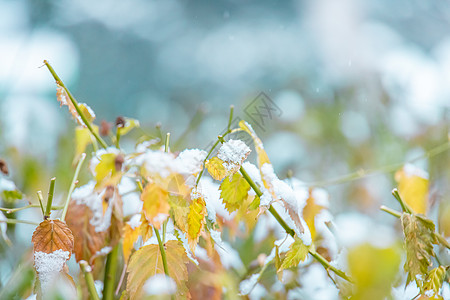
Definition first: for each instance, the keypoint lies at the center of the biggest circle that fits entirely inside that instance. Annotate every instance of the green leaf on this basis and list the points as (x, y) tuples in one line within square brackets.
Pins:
[(419, 240), (216, 168), (434, 279), (234, 192), (297, 253), (196, 221), (11, 196)]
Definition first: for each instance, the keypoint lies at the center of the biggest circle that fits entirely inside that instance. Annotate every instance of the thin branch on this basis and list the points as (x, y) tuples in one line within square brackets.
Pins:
[(86, 269), (75, 104), (72, 185), (290, 231), (110, 273), (13, 210), (14, 221)]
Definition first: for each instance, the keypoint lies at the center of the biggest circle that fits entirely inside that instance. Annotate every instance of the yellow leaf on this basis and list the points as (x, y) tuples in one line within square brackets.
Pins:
[(156, 206), (413, 187), (83, 138), (234, 192), (106, 172), (310, 211), (129, 124), (87, 112), (373, 271), (145, 230), (298, 252), (216, 168), (130, 236), (262, 155), (179, 211), (196, 221), (147, 262)]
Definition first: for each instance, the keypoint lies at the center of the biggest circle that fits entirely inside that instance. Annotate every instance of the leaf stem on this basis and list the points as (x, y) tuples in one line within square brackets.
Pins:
[(403, 204), (290, 231), (110, 273), (85, 268), (75, 104), (51, 191), (13, 210), (72, 185), (14, 221), (391, 211), (163, 252), (231, 117)]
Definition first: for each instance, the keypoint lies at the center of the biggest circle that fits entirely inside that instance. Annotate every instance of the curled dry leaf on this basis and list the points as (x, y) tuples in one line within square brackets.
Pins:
[(88, 241), (52, 235)]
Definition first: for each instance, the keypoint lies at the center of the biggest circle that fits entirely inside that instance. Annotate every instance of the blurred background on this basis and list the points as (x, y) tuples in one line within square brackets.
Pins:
[(353, 85)]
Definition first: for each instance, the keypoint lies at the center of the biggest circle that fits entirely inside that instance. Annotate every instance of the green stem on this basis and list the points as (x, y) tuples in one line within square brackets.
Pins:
[(72, 185), (14, 221), (110, 273), (391, 211), (166, 144), (163, 252), (403, 204), (384, 169), (75, 104), (41, 200), (290, 231), (13, 210), (85, 268), (117, 138), (231, 117), (51, 190)]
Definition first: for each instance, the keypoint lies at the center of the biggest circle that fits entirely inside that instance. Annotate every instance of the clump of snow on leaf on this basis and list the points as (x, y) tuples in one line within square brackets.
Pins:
[(233, 153), (48, 265), (160, 284), (135, 221), (86, 195), (247, 285), (253, 172), (190, 161), (412, 170), (266, 199)]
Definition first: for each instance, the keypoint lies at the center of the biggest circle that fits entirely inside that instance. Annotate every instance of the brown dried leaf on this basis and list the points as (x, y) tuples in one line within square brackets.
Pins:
[(52, 235), (87, 240)]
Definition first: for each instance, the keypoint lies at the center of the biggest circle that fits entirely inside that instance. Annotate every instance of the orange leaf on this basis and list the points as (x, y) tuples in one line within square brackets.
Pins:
[(310, 211), (156, 207), (87, 240), (52, 235)]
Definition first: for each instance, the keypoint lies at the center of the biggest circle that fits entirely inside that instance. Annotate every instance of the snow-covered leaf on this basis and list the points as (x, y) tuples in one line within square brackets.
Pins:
[(196, 219), (297, 253), (216, 168), (129, 124), (156, 206), (52, 235), (413, 187)]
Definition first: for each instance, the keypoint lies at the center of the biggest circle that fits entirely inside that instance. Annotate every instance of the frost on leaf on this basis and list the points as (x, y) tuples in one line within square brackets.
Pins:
[(297, 253), (129, 124), (234, 191), (156, 206), (419, 240), (106, 168), (233, 153), (53, 244), (196, 218), (64, 99), (413, 187), (150, 257)]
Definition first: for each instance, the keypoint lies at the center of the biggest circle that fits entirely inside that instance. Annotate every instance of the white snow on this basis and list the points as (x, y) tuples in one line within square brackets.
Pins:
[(229, 256), (104, 251), (266, 199), (217, 237), (6, 185), (89, 109), (132, 203), (160, 284), (268, 173), (233, 153), (135, 221), (86, 195), (412, 170), (3, 226), (212, 198), (48, 266), (190, 161), (247, 285), (253, 172)]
